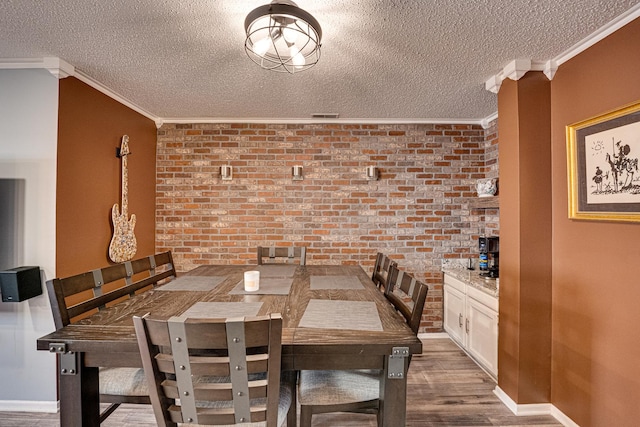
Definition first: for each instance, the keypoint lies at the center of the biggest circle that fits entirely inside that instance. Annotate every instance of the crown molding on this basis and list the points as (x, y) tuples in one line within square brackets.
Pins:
[(487, 120), (121, 99), (519, 67), (374, 121), (599, 34), (59, 68)]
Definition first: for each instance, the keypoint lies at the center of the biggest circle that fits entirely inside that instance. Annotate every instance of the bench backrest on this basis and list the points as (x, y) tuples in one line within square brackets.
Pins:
[(84, 293)]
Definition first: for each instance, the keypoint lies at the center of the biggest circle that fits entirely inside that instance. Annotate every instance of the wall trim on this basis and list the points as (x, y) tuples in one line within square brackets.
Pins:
[(534, 409), (29, 406), (487, 120), (599, 34), (122, 100), (59, 68), (519, 67), (433, 335), (399, 121), (62, 69)]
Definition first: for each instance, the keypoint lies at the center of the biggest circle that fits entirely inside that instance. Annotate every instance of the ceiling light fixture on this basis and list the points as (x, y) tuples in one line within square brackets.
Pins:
[(282, 37)]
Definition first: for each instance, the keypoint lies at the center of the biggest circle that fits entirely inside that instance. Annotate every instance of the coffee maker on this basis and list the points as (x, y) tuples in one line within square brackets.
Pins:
[(489, 255)]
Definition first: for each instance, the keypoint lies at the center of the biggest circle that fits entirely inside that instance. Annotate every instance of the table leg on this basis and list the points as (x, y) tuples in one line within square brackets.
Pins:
[(79, 392), (393, 390)]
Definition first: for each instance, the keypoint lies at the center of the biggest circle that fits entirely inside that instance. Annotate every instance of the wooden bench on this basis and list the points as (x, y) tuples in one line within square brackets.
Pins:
[(75, 297)]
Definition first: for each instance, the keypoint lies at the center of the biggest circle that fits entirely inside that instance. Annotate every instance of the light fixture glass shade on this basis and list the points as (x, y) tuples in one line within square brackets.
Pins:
[(282, 37), (372, 173)]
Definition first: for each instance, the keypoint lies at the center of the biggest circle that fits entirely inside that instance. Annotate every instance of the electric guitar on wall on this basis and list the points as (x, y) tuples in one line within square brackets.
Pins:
[(123, 244)]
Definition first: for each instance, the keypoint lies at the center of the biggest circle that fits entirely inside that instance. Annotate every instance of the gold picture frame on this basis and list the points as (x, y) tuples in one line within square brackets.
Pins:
[(602, 157)]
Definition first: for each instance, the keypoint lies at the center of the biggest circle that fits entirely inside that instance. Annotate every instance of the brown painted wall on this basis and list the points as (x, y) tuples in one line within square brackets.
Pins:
[(596, 267), (525, 268), (91, 126), (509, 324)]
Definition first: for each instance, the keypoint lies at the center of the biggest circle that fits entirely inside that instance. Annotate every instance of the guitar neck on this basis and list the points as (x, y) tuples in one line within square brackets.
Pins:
[(125, 185)]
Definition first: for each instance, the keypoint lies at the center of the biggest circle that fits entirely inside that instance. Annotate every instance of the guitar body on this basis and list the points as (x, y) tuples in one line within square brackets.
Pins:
[(123, 244)]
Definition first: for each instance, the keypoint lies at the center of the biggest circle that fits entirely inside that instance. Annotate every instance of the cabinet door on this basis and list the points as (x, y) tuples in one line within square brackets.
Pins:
[(481, 328), (454, 313)]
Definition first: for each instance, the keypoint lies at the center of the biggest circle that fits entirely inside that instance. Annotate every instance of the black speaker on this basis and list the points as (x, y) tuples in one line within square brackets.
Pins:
[(19, 284)]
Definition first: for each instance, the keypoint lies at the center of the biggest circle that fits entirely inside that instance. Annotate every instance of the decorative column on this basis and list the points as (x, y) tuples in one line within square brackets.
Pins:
[(524, 349)]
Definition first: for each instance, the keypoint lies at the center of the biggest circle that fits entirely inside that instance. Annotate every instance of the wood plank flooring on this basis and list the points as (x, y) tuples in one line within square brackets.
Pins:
[(446, 388)]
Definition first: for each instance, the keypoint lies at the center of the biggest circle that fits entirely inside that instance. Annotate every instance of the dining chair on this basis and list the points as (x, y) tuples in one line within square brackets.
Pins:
[(359, 390), (407, 295), (381, 268), (76, 297), (216, 371), (282, 254)]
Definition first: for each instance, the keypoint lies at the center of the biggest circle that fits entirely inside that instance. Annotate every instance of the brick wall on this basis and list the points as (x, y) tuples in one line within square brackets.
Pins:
[(491, 217), (417, 212)]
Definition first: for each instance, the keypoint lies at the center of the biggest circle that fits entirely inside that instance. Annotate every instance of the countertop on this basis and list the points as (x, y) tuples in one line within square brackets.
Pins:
[(473, 278)]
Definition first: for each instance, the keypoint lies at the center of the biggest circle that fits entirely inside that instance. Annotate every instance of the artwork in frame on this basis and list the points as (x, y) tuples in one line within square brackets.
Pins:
[(602, 153)]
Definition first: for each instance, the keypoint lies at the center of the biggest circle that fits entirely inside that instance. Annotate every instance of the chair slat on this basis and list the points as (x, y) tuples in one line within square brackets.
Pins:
[(225, 394), (381, 269), (281, 254)]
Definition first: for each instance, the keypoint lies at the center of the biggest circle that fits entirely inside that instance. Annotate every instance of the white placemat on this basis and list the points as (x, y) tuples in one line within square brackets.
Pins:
[(268, 286), (222, 310), (192, 283), (335, 282), (330, 314)]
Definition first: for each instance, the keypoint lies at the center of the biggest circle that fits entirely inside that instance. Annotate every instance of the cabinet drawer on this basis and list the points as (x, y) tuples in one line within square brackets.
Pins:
[(483, 298), (455, 283)]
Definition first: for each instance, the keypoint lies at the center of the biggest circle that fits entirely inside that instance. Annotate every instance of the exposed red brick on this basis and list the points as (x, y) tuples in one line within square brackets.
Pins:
[(417, 212)]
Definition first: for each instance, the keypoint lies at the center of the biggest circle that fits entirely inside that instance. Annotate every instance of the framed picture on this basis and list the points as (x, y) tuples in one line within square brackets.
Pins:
[(602, 154)]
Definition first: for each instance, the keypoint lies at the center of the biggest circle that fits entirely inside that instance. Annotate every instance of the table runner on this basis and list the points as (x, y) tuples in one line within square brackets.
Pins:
[(278, 270), (335, 282), (192, 283), (220, 310), (331, 314), (268, 285)]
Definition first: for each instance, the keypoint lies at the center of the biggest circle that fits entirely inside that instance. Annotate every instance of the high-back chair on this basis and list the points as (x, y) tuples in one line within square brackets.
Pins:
[(381, 269), (282, 254), (75, 297), (358, 390), (407, 295), (215, 371)]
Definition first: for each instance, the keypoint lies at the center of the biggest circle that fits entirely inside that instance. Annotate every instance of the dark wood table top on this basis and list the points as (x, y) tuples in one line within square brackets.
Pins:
[(107, 338), (111, 330)]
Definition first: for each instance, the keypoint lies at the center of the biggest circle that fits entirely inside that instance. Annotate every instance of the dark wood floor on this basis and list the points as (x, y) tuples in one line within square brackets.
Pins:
[(446, 388)]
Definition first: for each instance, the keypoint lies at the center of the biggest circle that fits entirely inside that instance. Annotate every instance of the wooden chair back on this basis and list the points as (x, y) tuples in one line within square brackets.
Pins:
[(75, 296), (381, 270), (412, 305), (230, 367), (282, 254)]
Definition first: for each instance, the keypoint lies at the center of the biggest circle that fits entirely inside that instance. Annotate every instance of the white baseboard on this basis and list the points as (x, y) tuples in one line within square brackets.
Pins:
[(433, 335), (29, 406), (534, 409)]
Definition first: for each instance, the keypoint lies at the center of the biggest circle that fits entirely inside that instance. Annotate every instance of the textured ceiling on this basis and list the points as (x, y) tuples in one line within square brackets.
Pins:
[(381, 60)]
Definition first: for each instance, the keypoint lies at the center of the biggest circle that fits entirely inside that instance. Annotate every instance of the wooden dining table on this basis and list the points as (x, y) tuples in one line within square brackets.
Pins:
[(334, 317)]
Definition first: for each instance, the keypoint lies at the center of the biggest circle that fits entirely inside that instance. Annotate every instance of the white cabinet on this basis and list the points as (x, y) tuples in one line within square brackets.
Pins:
[(471, 319), (454, 313)]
